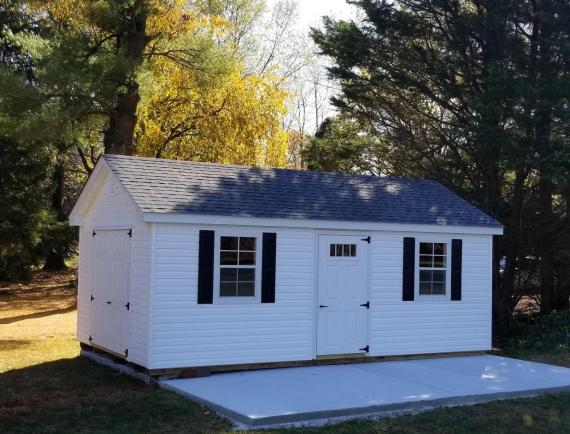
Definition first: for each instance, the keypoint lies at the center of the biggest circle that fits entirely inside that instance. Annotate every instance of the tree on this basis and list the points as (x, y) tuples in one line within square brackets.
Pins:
[(25, 165), (159, 78), (464, 92), (341, 145), (224, 115)]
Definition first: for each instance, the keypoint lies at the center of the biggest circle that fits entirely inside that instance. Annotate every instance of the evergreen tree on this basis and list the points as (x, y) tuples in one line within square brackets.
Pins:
[(476, 95)]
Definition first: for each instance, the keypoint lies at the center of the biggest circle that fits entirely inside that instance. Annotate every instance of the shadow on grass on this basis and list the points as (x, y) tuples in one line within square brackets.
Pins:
[(42, 314), (76, 395)]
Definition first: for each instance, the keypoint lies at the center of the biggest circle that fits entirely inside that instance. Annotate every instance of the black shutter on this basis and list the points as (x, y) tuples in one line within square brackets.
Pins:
[(268, 267), (409, 260), (206, 268), (456, 258)]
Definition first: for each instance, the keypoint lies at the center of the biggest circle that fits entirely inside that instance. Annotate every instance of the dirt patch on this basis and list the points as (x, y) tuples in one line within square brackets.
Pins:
[(45, 292)]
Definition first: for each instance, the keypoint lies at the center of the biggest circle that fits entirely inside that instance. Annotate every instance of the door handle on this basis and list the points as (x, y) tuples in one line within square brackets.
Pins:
[(322, 305), (366, 305), (108, 302)]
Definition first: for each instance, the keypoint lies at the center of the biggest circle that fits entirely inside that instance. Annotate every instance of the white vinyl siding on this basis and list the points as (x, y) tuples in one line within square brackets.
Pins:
[(112, 207), (187, 334), (441, 325)]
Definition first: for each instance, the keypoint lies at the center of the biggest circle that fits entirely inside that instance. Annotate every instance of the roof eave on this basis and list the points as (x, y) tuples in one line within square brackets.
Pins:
[(208, 219)]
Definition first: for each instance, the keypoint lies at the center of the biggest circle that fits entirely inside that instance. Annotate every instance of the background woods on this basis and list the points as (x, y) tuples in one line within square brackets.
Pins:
[(474, 94)]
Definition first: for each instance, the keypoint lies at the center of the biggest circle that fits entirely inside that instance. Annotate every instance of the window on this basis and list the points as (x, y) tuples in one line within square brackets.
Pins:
[(343, 249), (432, 268), (238, 257)]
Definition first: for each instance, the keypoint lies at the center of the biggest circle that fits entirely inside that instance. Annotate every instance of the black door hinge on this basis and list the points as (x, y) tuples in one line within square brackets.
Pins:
[(128, 305), (367, 239), (94, 233), (90, 338), (92, 298), (365, 349), (366, 305), (130, 233), (126, 352)]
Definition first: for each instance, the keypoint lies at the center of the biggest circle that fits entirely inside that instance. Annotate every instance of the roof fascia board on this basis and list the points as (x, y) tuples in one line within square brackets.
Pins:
[(316, 224)]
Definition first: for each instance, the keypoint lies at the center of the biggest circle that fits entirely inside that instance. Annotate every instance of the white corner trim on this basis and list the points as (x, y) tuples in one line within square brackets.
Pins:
[(316, 224), (150, 318)]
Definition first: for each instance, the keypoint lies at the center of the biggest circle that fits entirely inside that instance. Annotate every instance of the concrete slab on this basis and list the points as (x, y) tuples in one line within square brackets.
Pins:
[(321, 394)]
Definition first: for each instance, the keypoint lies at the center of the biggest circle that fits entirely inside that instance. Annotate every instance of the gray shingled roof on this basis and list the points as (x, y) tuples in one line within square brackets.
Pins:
[(168, 186)]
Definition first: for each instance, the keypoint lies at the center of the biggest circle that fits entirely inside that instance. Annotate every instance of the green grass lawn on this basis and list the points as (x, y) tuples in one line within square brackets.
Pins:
[(45, 387)]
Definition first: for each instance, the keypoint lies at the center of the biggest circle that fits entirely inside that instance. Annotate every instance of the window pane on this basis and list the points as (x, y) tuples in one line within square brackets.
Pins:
[(246, 274), (228, 258), (439, 248), (426, 248), (247, 243), (228, 289), (228, 274), (246, 258), (353, 250), (426, 261), (425, 276), (229, 243), (439, 261), (246, 289), (425, 288), (339, 250), (438, 276), (438, 288), (333, 250)]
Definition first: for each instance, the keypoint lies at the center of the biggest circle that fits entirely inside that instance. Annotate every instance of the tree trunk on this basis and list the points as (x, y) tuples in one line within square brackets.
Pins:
[(545, 235), (490, 145), (512, 243), (119, 136), (545, 245), (131, 43), (55, 259), (562, 291)]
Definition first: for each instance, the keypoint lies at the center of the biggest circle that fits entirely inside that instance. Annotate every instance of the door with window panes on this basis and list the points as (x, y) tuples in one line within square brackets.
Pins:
[(343, 305)]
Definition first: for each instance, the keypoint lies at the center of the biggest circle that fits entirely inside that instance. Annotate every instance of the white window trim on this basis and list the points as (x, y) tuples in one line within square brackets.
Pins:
[(258, 256), (432, 297)]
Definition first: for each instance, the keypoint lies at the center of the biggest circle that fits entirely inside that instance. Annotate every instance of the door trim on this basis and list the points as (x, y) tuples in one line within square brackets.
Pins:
[(317, 256)]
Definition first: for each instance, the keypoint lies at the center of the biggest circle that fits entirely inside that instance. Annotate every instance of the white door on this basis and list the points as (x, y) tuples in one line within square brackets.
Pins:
[(110, 308), (342, 321)]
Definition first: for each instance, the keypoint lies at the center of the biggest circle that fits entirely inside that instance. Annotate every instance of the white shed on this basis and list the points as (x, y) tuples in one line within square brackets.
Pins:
[(187, 264)]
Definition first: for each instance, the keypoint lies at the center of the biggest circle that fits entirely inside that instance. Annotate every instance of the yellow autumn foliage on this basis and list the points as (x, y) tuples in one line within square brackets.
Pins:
[(238, 121), (208, 110)]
